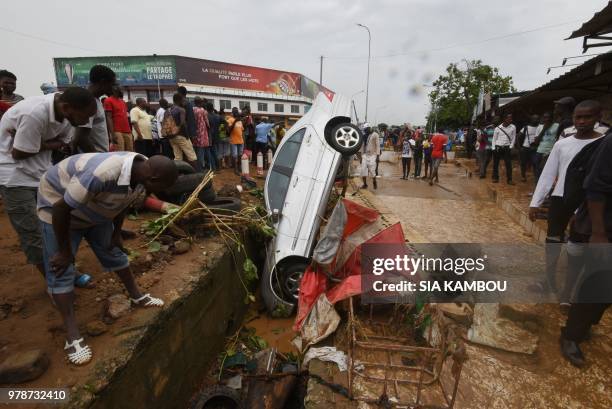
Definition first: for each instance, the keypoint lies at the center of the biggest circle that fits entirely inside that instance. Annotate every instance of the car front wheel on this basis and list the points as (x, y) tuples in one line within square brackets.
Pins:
[(290, 277), (346, 138)]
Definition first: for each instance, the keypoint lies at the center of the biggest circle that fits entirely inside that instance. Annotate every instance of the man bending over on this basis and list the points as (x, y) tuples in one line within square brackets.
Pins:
[(86, 196)]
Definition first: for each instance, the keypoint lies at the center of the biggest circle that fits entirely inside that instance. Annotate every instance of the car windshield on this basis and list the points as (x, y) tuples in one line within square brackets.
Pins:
[(280, 175)]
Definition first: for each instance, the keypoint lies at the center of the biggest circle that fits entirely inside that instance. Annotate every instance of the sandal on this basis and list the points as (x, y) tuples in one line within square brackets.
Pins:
[(81, 355), (150, 301)]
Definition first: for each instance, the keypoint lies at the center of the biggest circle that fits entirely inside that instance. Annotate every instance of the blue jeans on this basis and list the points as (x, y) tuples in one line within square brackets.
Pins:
[(236, 150), (98, 237), (223, 149)]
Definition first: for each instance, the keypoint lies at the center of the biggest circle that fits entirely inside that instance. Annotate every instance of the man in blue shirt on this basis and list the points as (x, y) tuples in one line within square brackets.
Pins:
[(262, 131)]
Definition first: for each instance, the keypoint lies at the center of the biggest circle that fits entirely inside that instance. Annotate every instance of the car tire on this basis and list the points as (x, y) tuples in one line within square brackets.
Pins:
[(346, 138), (290, 276), (276, 306), (184, 168), (218, 396)]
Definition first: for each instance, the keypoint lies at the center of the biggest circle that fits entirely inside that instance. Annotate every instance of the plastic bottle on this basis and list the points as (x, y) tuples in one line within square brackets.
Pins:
[(259, 164), (244, 164)]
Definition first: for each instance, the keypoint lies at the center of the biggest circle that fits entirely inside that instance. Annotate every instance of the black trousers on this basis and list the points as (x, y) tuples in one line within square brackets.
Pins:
[(527, 157), (427, 162), (594, 295), (502, 153), (580, 318), (406, 166), (418, 161), (484, 158), (166, 149)]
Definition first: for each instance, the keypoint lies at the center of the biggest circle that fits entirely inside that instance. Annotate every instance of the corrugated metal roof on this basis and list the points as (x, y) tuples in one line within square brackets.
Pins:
[(588, 80), (599, 24), (578, 73)]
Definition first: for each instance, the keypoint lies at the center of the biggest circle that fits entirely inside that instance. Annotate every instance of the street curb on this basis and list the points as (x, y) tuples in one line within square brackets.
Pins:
[(518, 215)]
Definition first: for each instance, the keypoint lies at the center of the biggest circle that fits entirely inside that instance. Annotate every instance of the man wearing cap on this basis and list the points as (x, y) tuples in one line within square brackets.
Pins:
[(369, 151)]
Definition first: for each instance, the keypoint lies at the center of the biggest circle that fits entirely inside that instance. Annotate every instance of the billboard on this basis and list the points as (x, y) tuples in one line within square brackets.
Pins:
[(224, 75), (310, 88), (144, 70)]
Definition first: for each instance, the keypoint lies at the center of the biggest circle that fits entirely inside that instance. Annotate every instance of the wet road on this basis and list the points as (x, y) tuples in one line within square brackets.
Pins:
[(459, 210), (456, 210)]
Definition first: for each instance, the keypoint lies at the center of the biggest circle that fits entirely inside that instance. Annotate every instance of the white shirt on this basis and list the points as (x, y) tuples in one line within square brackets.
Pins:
[(531, 133), (409, 154), (99, 133), (25, 127), (504, 139), (159, 117), (143, 119), (561, 155), (571, 131), (373, 145)]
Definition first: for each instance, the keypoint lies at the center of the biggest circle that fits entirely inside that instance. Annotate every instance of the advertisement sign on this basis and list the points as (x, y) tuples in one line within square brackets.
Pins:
[(224, 75), (145, 70), (311, 89)]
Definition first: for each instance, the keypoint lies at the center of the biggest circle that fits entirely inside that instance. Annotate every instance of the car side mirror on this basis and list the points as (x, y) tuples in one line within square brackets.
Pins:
[(275, 215)]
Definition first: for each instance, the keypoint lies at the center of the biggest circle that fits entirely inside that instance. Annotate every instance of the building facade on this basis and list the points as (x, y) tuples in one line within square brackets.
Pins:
[(279, 95)]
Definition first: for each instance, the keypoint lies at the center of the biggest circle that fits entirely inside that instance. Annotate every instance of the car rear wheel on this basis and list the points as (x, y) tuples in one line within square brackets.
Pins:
[(346, 138)]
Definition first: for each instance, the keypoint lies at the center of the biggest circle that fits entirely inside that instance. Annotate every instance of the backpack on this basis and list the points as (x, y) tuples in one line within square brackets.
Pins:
[(577, 171), (169, 127)]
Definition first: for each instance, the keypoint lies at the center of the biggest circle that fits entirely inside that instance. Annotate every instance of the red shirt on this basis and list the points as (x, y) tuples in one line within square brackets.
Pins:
[(118, 109), (437, 142)]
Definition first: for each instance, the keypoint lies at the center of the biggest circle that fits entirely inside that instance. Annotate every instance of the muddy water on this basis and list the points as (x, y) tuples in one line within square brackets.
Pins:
[(277, 332)]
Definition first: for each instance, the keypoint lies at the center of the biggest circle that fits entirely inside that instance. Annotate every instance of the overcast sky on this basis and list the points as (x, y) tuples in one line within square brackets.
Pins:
[(291, 35)]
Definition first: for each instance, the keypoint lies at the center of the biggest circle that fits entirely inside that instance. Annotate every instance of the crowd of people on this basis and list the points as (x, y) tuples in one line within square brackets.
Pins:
[(73, 162), (568, 152), (413, 145), (189, 130)]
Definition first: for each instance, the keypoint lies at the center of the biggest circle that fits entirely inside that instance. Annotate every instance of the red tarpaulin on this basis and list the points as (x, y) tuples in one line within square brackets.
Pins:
[(359, 228)]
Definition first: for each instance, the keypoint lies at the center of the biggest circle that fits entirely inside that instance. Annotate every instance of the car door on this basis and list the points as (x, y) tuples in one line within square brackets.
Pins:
[(281, 184)]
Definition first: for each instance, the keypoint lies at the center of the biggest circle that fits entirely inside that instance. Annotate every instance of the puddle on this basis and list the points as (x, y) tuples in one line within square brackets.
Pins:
[(277, 332)]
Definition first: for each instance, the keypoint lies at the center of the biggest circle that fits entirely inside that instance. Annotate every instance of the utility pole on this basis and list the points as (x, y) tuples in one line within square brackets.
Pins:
[(466, 88), (368, 78), (321, 72)]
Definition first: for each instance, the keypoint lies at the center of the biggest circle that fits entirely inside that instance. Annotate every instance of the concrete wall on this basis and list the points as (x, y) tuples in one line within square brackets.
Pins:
[(171, 360)]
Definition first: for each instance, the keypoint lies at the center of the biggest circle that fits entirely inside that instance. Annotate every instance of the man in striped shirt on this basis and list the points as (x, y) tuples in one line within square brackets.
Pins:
[(86, 196)]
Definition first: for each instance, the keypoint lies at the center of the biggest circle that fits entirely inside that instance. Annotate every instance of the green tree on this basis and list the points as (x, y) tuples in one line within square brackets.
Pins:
[(456, 92)]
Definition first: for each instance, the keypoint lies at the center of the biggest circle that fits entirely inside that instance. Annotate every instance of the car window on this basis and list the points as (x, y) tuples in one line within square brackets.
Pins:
[(281, 172), (277, 189), (288, 153)]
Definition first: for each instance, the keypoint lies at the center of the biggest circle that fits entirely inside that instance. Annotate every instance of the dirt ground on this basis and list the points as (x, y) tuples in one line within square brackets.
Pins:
[(31, 322)]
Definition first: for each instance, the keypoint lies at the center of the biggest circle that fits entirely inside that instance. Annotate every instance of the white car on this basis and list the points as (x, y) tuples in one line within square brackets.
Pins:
[(297, 189)]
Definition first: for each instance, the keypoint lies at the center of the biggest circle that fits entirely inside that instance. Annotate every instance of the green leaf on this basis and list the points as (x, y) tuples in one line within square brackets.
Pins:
[(154, 247), (250, 271), (132, 217)]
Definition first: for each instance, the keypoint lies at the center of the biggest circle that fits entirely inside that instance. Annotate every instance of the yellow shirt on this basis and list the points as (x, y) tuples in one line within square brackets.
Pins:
[(143, 120), (236, 135)]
